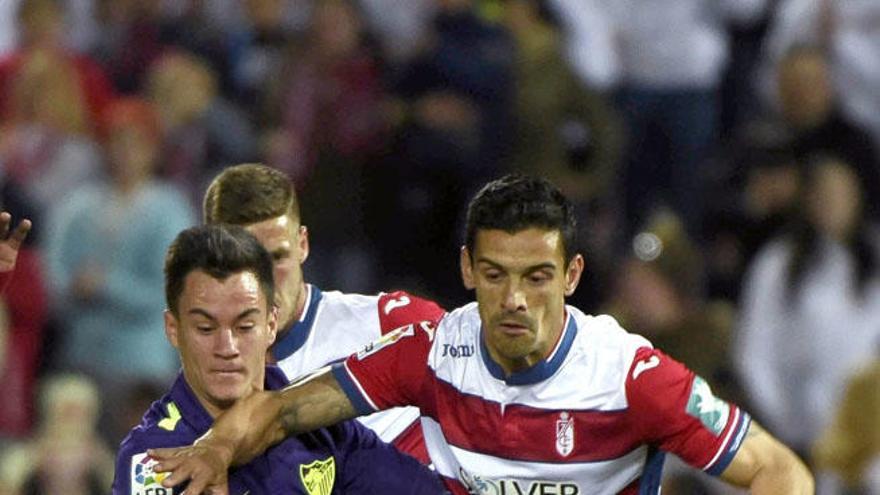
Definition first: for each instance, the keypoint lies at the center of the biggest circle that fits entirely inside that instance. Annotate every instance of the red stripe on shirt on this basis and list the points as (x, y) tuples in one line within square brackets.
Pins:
[(529, 434)]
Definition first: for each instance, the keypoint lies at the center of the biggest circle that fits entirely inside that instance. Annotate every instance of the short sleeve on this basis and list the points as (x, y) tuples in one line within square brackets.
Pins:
[(675, 410), (389, 372), (399, 308)]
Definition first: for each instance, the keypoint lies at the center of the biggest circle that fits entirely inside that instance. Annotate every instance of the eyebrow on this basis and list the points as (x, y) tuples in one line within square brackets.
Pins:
[(540, 266), (242, 315)]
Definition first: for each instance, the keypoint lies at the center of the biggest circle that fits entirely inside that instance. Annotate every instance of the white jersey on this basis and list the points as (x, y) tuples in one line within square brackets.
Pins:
[(334, 325), (595, 416)]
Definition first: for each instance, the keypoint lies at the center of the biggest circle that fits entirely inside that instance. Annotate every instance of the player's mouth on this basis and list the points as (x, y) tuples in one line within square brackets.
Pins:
[(228, 372), (513, 328)]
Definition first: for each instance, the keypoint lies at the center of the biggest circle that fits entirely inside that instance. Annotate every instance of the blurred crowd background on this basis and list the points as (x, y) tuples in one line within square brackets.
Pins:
[(722, 155)]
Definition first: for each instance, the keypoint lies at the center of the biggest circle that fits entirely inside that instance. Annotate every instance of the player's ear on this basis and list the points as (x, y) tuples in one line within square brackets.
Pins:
[(272, 323), (172, 327), (303, 240), (467, 268), (573, 273)]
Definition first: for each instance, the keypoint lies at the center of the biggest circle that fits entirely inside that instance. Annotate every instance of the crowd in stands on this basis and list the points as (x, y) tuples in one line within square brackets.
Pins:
[(723, 156)]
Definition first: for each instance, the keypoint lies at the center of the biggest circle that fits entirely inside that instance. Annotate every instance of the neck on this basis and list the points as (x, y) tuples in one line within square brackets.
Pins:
[(296, 314)]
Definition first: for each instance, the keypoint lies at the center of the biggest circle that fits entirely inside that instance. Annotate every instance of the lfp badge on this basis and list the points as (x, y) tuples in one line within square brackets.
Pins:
[(144, 480)]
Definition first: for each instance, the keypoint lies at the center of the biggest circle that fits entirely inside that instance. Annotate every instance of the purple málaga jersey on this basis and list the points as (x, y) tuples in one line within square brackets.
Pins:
[(344, 459)]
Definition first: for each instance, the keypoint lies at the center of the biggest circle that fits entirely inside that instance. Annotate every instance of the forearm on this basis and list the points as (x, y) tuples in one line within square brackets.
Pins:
[(267, 418), (766, 466), (315, 401), (791, 478)]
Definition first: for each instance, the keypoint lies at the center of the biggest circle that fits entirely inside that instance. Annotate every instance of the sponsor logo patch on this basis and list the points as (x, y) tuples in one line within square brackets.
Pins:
[(318, 477), (144, 480), (386, 340), (480, 485), (710, 410), (564, 434)]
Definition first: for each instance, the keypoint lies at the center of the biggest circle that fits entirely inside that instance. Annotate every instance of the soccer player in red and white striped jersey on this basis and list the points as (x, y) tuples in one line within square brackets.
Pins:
[(519, 392)]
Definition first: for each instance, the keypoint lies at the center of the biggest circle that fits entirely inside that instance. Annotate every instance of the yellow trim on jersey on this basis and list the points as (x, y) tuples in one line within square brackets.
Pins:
[(170, 423)]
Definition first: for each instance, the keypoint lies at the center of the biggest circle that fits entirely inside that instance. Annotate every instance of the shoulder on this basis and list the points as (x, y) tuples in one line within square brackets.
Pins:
[(605, 340), (134, 467), (348, 300), (401, 308)]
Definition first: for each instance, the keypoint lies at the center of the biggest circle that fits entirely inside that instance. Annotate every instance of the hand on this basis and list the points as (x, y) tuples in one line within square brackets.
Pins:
[(11, 243), (204, 463)]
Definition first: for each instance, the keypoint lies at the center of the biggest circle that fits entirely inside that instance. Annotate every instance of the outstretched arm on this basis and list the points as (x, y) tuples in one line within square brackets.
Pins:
[(766, 466), (250, 427)]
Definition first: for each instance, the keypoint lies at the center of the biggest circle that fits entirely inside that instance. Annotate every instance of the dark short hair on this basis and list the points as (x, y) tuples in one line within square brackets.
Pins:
[(220, 251), (517, 202), (249, 193)]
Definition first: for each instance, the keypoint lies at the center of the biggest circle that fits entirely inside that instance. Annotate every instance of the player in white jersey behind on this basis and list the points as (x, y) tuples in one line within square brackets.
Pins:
[(519, 393), (315, 327)]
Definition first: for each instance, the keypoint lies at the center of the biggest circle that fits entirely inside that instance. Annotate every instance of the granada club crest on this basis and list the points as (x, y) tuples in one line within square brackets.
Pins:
[(564, 434), (318, 477)]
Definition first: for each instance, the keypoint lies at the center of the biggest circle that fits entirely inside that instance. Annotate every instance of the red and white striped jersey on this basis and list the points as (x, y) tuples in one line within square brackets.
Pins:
[(595, 416), (333, 325)]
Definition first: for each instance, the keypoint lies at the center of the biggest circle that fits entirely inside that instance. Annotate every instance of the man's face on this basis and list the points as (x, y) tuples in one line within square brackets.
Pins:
[(288, 243), (222, 331), (521, 281)]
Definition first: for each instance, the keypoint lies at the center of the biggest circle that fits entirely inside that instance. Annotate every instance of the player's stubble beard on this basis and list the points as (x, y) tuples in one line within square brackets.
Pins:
[(509, 346)]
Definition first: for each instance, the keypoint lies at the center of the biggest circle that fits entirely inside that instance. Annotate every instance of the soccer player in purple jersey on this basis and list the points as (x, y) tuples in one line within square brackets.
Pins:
[(220, 317)]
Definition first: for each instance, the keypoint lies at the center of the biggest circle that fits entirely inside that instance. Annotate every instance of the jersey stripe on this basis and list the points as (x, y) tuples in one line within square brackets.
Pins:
[(731, 444), (527, 433), (352, 388)]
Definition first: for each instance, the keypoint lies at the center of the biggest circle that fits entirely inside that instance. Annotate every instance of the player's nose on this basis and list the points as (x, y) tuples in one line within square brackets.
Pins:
[(226, 343)]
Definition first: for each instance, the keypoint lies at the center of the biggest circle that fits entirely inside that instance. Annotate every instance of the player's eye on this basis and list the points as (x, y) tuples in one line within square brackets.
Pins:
[(246, 327), (493, 275), (539, 277), (204, 328)]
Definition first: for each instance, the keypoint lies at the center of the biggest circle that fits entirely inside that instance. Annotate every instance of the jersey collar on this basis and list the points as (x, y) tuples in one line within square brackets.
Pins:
[(298, 332), (541, 370)]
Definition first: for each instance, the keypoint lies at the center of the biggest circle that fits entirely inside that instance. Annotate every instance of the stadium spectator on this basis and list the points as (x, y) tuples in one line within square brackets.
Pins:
[(565, 132), (333, 126), (67, 453), (849, 35), (202, 131), (24, 310), (43, 26), (809, 108), (517, 390), (455, 100), (47, 147), (129, 41), (104, 255), (810, 309), (755, 195), (672, 57)]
